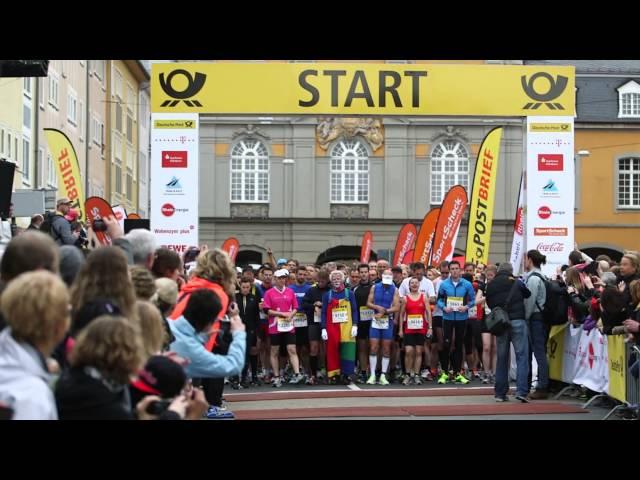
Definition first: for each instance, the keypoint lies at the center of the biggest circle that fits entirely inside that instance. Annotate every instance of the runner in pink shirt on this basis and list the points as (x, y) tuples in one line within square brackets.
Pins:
[(281, 304)]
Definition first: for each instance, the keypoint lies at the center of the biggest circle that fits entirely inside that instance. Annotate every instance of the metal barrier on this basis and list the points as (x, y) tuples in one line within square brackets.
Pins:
[(632, 403)]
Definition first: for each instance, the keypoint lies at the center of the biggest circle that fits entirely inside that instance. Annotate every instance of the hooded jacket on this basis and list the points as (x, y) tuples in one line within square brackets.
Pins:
[(24, 380)]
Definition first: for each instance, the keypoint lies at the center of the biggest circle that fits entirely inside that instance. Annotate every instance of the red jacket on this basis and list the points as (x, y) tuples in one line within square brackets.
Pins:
[(197, 283)]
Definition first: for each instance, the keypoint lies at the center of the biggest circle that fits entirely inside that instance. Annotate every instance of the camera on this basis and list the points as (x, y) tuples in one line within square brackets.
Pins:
[(158, 407), (98, 225)]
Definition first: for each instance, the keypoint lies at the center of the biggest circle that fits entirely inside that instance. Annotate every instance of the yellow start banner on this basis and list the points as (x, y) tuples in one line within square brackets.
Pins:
[(482, 199), (362, 89), (66, 161), (617, 367)]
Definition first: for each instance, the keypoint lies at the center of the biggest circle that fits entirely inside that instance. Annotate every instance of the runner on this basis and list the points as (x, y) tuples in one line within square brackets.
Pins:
[(437, 345), (339, 328), (312, 304), (264, 340), (455, 297), (361, 292), (383, 299), (300, 322), (280, 304), (416, 320)]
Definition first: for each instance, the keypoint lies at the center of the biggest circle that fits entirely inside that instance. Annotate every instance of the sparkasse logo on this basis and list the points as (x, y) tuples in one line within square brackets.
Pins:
[(550, 162), (174, 159)]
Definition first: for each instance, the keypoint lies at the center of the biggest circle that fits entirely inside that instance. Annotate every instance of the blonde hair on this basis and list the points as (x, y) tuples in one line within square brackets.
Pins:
[(216, 266), (573, 279), (633, 258), (143, 282), (152, 329), (105, 274), (634, 289), (34, 305), (112, 345)]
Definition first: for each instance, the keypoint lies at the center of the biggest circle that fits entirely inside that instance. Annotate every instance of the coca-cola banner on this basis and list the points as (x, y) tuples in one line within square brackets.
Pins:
[(550, 186)]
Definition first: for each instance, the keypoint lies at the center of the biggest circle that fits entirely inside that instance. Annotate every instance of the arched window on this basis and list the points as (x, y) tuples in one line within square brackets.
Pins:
[(349, 172), (449, 167), (629, 100), (249, 172)]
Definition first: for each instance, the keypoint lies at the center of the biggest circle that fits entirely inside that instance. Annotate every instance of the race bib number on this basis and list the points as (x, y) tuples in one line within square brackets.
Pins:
[(454, 302), (316, 317), (414, 322), (285, 325), (366, 314), (381, 323), (339, 315), (300, 320)]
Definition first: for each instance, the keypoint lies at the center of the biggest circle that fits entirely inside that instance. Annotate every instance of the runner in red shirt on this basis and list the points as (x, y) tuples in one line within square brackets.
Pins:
[(416, 323)]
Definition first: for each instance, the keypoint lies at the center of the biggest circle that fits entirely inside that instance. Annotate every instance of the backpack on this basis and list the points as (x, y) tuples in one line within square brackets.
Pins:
[(47, 225), (557, 302), (498, 321)]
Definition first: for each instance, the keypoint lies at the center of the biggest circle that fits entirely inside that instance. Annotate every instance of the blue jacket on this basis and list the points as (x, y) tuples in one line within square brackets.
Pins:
[(464, 289), (204, 364)]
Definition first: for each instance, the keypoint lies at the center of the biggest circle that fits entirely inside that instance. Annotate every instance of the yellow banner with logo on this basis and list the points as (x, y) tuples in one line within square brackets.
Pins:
[(482, 199), (555, 351), (67, 167), (617, 367), (362, 89)]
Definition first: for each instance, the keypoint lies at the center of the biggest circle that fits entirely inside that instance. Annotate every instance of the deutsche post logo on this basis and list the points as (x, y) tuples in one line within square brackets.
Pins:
[(194, 85), (556, 87)]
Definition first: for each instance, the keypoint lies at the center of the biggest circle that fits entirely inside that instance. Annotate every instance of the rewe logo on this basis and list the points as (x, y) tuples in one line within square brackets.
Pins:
[(194, 85), (544, 212), (555, 88), (168, 209)]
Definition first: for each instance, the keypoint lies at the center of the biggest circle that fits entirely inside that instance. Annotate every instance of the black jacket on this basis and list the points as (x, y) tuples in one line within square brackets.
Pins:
[(498, 290), (361, 293), (313, 295), (251, 315), (580, 304), (82, 396)]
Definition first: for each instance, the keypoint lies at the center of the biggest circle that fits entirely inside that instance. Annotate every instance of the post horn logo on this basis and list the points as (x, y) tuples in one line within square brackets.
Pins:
[(556, 87), (194, 85)]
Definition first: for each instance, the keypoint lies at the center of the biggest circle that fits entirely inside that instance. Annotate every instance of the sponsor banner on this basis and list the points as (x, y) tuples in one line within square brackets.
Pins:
[(404, 243), (517, 246), (120, 214), (592, 362), (448, 225), (362, 89), (231, 246), (365, 250), (174, 196), (550, 187), (617, 367), (67, 168), (98, 208), (482, 198), (408, 258), (555, 350), (425, 237)]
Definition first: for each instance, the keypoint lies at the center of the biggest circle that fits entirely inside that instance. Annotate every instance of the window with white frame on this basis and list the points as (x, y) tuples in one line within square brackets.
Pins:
[(26, 114), (117, 146), (41, 92), (118, 174), (129, 128), (629, 100), (26, 88), (142, 168), (117, 84), (40, 166), (26, 163), (629, 182), (349, 172), (118, 116), (97, 131), (72, 108), (249, 172), (131, 99), (449, 167), (129, 185), (144, 111), (54, 84), (52, 178), (98, 69), (81, 119)]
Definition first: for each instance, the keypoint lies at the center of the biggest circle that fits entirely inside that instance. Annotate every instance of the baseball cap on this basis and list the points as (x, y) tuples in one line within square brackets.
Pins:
[(283, 272), (161, 376), (282, 261), (167, 290), (63, 201)]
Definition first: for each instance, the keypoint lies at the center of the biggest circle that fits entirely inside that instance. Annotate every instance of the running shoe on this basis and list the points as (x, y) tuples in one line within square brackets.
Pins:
[(383, 379), (311, 380), (485, 379), (372, 379), (502, 398), (417, 380), (407, 380), (296, 378), (444, 378), (461, 379), (277, 382), (219, 413)]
